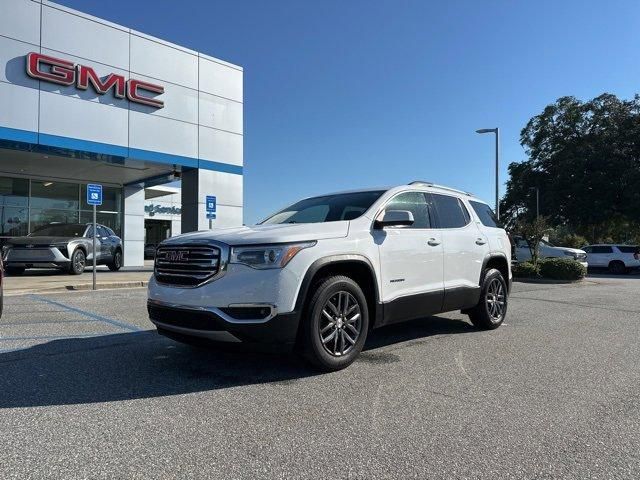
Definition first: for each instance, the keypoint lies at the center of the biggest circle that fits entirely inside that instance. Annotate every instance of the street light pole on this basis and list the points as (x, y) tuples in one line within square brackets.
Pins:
[(497, 132), (537, 189)]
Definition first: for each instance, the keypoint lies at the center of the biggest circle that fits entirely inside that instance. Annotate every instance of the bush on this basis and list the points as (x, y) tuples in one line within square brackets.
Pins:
[(574, 241), (525, 270), (562, 269)]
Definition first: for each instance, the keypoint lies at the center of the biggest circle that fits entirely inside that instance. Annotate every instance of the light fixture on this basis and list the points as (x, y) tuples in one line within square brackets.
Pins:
[(47, 184)]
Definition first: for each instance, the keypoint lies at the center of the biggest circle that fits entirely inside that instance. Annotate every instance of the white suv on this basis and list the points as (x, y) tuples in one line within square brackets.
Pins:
[(618, 259), (318, 275), (548, 250)]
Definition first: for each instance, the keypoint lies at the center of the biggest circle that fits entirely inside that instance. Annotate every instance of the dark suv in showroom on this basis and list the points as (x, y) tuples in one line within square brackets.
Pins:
[(65, 246)]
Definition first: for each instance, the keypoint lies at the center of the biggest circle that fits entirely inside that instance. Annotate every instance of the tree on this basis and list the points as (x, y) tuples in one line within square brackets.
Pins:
[(533, 232), (585, 159)]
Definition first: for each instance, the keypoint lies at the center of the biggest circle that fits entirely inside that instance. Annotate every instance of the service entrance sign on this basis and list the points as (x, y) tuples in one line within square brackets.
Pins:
[(94, 197)]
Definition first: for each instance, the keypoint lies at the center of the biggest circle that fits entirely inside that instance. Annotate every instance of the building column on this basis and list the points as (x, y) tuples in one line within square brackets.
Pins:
[(133, 237), (226, 187)]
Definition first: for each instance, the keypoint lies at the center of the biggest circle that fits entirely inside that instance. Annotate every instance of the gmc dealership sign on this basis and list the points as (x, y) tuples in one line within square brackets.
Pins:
[(63, 72)]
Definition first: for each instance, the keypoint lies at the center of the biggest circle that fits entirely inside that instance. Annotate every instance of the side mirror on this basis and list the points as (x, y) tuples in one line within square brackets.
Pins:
[(394, 218)]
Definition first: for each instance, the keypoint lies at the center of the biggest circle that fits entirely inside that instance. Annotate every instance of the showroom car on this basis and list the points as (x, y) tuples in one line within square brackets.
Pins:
[(63, 246)]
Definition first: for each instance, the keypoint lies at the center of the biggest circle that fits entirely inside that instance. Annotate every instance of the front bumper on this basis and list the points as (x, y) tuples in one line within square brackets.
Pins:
[(44, 257), (214, 325)]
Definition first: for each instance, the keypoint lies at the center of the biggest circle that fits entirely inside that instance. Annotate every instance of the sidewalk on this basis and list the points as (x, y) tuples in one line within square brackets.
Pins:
[(43, 281)]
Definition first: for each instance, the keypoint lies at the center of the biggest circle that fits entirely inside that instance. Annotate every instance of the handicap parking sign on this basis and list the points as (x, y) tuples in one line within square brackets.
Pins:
[(210, 204), (94, 194)]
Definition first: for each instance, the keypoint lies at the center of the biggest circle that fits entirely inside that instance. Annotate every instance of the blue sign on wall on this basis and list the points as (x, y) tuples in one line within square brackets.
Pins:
[(94, 194), (211, 203)]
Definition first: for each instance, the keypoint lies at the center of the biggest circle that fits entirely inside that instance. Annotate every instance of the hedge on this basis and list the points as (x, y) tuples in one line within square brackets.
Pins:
[(525, 270), (562, 269)]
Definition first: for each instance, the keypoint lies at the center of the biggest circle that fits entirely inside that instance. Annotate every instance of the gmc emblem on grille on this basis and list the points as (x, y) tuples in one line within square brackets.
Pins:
[(176, 255)]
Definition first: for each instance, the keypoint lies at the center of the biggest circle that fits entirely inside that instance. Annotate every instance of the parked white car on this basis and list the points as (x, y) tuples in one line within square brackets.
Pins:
[(319, 274), (548, 250), (617, 258)]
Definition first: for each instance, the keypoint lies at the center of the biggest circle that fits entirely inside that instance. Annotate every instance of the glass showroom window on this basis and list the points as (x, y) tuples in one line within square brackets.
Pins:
[(14, 203), (53, 202)]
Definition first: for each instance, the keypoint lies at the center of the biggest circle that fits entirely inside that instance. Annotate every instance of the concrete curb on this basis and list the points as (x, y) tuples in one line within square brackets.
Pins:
[(80, 287), (548, 281)]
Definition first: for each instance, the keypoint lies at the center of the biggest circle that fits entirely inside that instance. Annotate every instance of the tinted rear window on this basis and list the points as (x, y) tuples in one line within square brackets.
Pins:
[(485, 214), (451, 213), (628, 249)]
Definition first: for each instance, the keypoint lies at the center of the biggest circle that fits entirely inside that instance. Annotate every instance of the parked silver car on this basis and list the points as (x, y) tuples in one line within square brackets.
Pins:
[(67, 246)]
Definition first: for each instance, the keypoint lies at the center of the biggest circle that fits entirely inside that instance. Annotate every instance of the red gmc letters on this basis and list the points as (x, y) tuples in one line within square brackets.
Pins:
[(63, 72)]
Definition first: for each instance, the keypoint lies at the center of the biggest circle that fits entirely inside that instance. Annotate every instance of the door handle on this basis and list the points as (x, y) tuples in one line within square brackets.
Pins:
[(433, 242), (480, 241)]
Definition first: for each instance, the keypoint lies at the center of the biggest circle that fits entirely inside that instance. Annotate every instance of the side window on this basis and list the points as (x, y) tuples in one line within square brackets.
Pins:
[(89, 233), (450, 211), (102, 232), (602, 249), (485, 214), (588, 249), (414, 202)]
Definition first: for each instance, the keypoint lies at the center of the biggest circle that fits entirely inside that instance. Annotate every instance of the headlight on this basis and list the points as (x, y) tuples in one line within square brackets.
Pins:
[(573, 254), (267, 256)]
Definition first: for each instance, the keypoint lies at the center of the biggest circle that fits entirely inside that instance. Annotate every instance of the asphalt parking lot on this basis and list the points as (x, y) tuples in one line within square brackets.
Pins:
[(88, 390)]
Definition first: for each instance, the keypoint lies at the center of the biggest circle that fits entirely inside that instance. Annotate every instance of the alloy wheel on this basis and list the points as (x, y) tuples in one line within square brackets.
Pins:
[(79, 262), (340, 324), (496, 300)]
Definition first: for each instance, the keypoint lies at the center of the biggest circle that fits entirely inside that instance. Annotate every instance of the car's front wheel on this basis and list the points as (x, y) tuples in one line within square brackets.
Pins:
[(491, 309), (78, 262), (116, 262), (336, 324)]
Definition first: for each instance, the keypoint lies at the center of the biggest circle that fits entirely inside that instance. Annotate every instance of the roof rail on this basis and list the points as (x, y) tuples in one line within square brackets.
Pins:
[(442, 187)]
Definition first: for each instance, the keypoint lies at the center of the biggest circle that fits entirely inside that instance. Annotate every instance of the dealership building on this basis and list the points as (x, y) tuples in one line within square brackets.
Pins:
[(83, 100)]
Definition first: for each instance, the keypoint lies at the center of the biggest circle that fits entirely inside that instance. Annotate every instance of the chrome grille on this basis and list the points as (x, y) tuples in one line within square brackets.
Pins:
[(186, 265)]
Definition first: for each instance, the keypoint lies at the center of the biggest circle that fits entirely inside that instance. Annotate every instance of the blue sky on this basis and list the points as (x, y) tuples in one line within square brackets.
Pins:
[(341, 94)]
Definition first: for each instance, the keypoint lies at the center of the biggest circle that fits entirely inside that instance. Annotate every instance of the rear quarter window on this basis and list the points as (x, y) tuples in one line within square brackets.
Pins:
[(485, 214), (628, 249)]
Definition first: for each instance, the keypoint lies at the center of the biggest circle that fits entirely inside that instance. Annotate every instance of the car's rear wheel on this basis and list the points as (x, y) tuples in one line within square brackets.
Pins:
[(15, 270), (617, 267), (116, 262), (336, 324), (491, 309), (78, 262)]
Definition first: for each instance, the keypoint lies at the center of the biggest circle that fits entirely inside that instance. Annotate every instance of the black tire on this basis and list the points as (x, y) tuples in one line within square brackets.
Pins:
[(78, 262), (116, 262), (349, 328), (489, 313), (617, 267), (14, 270)]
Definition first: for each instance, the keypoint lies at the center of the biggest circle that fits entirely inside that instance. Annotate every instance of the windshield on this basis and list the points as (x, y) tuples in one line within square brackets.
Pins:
[(62, 230), (330, 208), (548, 244)]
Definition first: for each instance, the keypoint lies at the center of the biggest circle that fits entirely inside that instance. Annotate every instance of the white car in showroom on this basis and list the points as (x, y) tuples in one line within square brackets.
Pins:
[(548, 250), (617, 259), (321, 273)]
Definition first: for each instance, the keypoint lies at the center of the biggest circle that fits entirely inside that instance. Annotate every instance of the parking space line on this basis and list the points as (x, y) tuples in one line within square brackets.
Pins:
[(110, 321), (51, 337), (45, 322)]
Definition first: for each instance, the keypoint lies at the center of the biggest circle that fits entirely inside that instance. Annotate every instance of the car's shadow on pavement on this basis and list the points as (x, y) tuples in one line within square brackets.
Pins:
[(143, 365)]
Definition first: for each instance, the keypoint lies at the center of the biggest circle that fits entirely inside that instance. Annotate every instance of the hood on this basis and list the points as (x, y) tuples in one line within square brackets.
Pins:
[(261, 234), (39, 241), (574, 250)]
